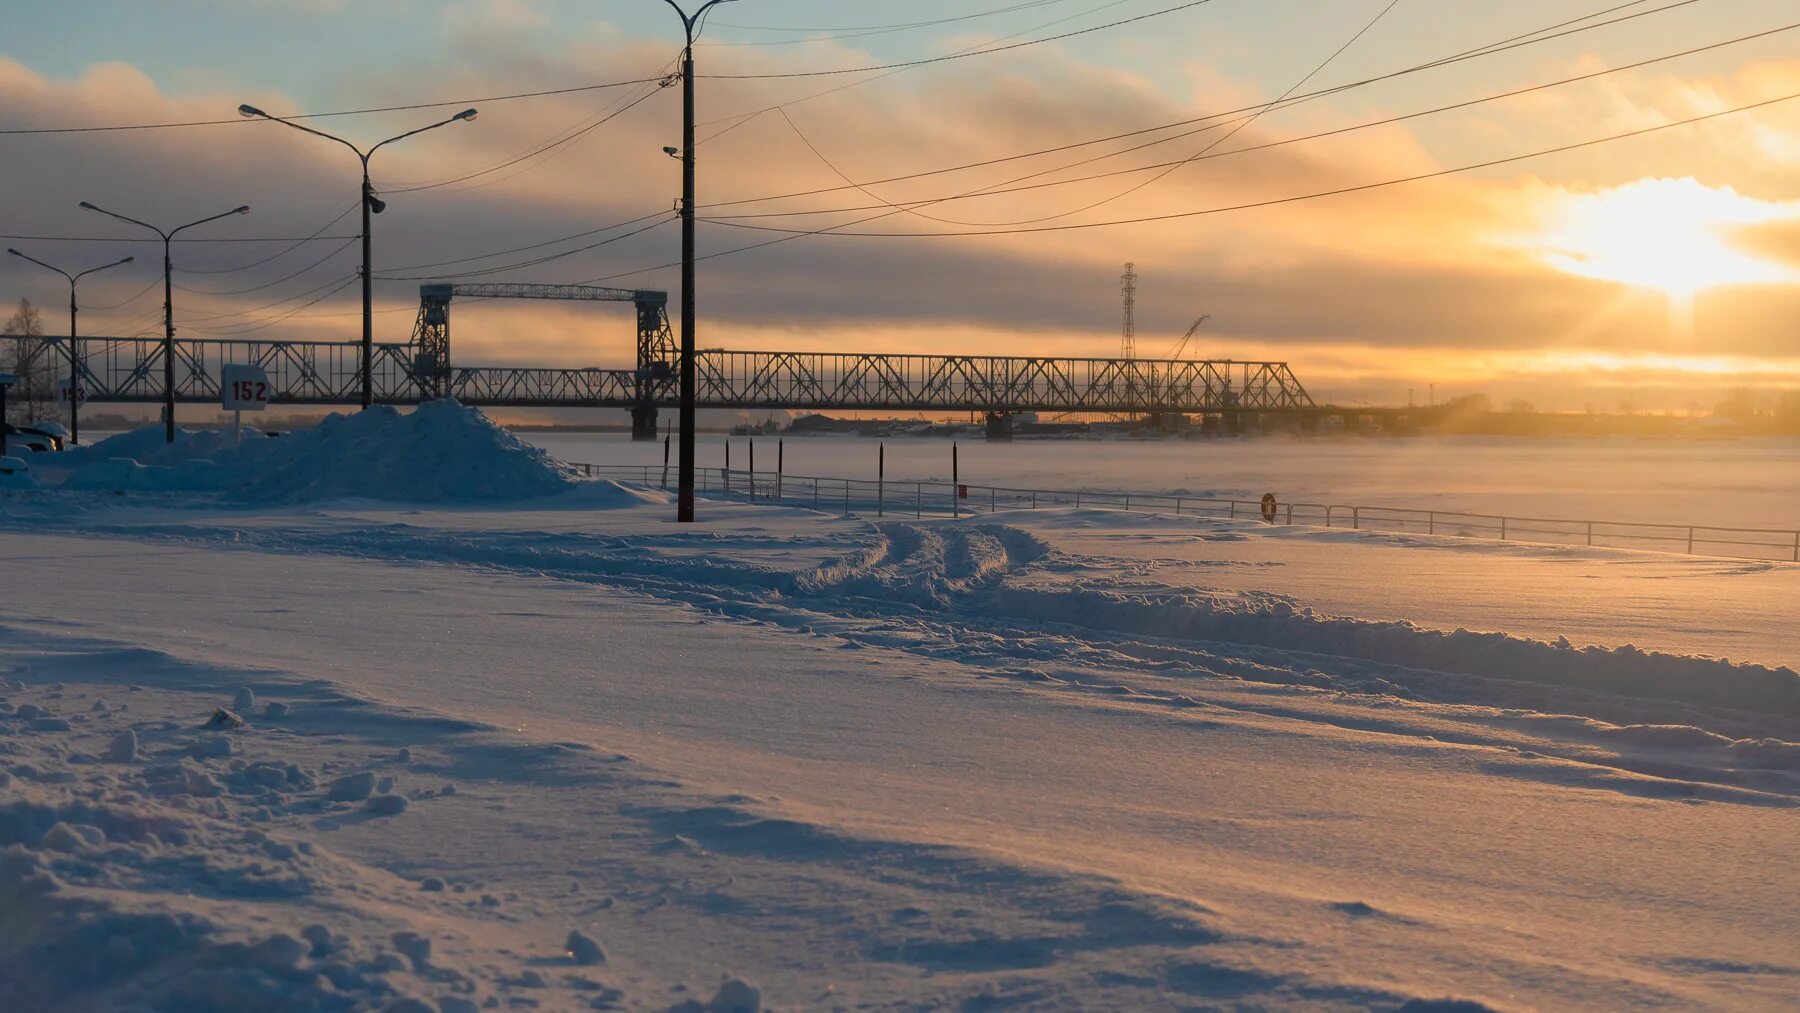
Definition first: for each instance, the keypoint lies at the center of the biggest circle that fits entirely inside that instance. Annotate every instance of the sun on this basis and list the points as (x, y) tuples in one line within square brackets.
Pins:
[(1668, 235)]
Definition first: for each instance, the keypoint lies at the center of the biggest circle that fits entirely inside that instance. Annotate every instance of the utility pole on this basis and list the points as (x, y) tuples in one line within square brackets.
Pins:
[(1128, 289), (168, 349), (74, 356), (371, 205), (684, 495)]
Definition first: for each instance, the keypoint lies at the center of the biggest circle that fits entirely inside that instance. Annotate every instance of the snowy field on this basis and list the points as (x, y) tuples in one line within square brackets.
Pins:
[(1070, 759), (1750, 482)]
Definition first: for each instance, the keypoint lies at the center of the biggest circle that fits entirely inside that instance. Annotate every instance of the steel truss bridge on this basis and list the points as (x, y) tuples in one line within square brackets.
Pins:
[(328, 373)]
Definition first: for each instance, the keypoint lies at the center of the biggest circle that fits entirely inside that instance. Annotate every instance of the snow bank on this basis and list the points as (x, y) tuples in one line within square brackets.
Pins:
[(443, 452), (1261, 620)]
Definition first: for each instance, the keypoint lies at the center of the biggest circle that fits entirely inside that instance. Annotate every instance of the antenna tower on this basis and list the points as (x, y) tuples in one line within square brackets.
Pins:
[(1128, 289)]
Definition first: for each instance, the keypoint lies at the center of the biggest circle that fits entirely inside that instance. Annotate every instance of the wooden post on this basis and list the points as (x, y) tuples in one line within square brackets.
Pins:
[(880, 479), (780, 466), (752, 442), (725, 476)]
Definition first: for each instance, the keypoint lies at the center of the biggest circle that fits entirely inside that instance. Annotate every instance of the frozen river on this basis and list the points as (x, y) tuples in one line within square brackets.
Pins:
[(1752, 482)]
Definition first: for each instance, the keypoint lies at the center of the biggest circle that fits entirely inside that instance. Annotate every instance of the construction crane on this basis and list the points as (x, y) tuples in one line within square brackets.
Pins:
[(1181, 346)]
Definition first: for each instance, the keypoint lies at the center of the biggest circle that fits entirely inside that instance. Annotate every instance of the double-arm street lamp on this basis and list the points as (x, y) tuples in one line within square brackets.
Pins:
[(684, 501), (168, 355), (371, 205), (74, 356)]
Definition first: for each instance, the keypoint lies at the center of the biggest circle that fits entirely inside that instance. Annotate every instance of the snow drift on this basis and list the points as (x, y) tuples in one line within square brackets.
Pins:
[(443, 452)]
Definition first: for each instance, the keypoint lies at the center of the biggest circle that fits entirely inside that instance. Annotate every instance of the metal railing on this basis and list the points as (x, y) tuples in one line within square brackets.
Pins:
[(919, 497)]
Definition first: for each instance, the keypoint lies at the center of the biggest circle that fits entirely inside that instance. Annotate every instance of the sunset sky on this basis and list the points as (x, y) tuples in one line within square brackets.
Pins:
[(1663, 269)]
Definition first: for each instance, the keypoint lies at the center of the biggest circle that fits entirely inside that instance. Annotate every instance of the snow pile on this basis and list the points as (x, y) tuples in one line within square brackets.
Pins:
[(441, 453)]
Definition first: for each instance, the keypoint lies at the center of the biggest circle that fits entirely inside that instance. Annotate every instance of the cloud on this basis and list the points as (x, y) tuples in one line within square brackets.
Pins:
[(1344, 287)]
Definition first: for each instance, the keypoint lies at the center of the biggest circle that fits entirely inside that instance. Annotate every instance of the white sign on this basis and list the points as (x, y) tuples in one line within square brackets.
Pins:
[(244, 388), (62, 393)]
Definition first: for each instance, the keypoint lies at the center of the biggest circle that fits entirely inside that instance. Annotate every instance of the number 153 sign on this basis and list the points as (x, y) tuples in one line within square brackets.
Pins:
[(243, 388)]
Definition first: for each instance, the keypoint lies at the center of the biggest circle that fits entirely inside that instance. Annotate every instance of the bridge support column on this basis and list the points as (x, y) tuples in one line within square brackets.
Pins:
[(999, 427), (643, 422)]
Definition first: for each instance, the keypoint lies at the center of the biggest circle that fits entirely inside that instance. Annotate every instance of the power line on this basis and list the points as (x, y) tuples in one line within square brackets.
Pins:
[(893, 27), (959, 56), (1505, 45), (1240, 125), (341, 112), (743, 118), (866, 32), (1294, 199), (502, 268), (608, 117), (277, 281), (1006, 189), (181, 239), (279, 253), (533, 246)]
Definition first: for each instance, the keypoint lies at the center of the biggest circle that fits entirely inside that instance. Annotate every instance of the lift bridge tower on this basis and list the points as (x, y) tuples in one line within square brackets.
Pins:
[(1128, 290), (657, 354)]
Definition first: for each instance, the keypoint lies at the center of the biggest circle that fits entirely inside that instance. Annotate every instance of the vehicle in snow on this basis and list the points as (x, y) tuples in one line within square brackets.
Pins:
[(33, 439)]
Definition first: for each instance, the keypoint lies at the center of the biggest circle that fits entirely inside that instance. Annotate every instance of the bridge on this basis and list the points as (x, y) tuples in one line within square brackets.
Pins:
[(130, 370)]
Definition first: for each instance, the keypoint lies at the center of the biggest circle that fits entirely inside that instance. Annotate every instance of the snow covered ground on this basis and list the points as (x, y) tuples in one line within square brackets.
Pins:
[(1057, 759), (1750, 482)]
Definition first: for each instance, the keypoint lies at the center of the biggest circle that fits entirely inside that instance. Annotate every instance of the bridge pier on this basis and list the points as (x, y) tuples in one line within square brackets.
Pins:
[(643, 422), (999, 427)]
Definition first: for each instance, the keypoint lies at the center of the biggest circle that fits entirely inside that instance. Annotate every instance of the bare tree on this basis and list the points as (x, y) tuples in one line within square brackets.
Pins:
[(31, 359)]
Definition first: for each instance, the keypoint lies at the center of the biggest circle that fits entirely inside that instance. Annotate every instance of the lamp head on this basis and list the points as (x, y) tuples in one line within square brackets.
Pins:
[(250, 110), (14, 252), (241, 210), (90, 207), (128, 260), (672, 151), (376, 204), (466, 114)]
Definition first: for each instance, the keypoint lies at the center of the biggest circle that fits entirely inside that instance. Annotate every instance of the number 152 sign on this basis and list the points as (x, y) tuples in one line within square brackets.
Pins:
[(243, 388)]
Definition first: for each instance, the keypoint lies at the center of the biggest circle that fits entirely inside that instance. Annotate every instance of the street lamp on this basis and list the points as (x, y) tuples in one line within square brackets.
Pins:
[(684, 501), (168, 304), (371, 204), (74, 357)]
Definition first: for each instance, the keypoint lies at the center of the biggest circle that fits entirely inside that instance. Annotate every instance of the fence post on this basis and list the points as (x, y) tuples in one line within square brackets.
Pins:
[(1356, 519), (665, 483), (1290, 515), (1178, 506), (993, 500), (1431, 522), (815, 493), (1797, 546), (1233, 508), (846, 497), (1503, 529), (955, 483), (1590, 532), (1690, 541), (780, 466), (1127, 502), (752, 469), (1796, 536), (918, 500), (725, 476), (880, 479)]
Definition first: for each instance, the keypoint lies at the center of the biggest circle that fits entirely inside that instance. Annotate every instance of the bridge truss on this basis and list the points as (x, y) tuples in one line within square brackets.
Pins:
[(326, 373)]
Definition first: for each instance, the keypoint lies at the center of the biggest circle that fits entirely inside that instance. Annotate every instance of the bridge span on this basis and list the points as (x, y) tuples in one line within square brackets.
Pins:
[(130, 370)]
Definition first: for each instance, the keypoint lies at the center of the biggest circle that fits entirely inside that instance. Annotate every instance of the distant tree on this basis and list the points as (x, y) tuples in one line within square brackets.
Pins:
[(1520, 406), (27, 357), (1738, 406), (1471, 404)]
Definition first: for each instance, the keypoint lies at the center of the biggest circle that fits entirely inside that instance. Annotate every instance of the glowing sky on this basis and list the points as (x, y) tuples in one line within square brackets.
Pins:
[(1661, 268)]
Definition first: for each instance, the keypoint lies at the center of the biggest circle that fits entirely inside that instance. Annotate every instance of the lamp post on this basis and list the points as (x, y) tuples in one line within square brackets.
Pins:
[(684, 496), (371, 205), (168, 304), (74, 357)]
